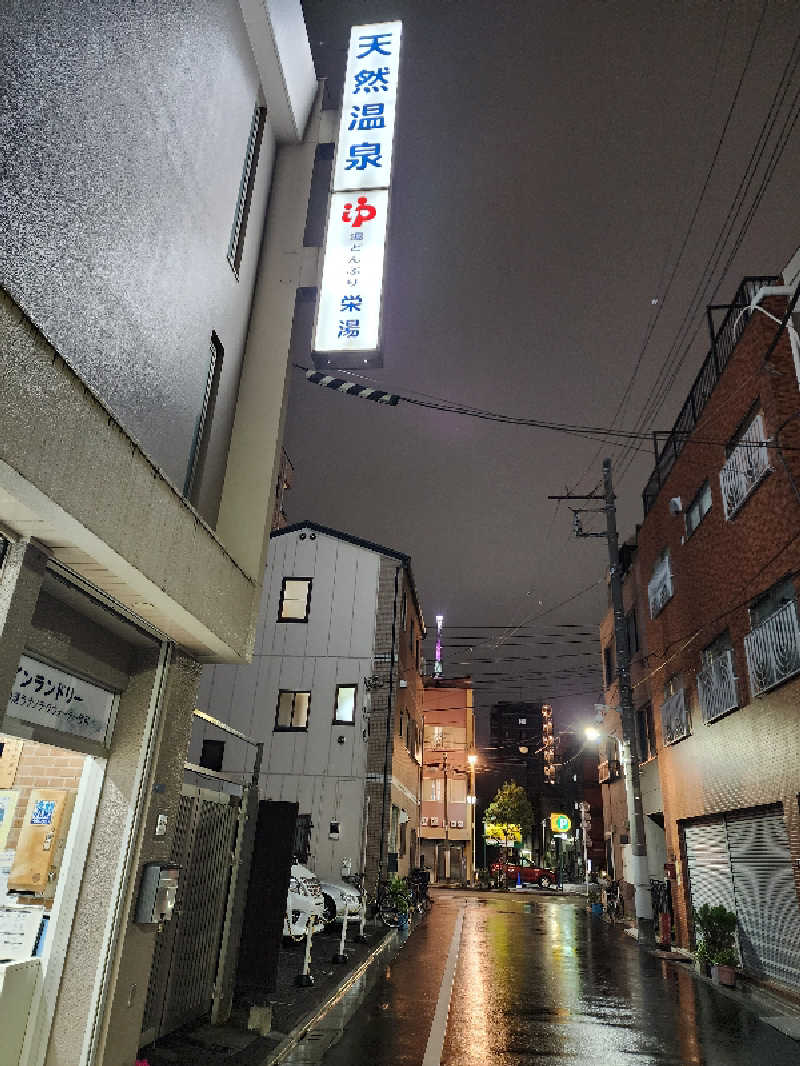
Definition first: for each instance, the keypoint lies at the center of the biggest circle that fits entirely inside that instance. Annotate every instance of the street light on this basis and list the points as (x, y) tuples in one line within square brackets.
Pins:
[(591, 733), (472, 758)]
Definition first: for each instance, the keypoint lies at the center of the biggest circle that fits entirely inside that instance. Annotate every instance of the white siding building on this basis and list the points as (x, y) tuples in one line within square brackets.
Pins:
[(305, 695)]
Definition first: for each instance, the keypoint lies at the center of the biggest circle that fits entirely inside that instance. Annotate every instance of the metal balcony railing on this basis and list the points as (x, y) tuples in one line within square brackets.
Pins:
[(773, 650), (659, 588), (746, 466), (675, 717), (723, 341), (716, 687)]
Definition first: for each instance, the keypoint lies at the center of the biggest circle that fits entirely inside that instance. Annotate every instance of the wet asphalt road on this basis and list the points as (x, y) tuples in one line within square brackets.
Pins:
[(539, 980)]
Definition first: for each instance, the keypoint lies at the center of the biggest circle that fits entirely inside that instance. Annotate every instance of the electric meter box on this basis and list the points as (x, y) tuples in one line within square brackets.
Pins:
[(157, 891), (40, 847)]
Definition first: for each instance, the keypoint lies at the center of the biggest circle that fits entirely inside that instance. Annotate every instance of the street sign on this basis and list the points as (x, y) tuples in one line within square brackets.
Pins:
[(560, 823)]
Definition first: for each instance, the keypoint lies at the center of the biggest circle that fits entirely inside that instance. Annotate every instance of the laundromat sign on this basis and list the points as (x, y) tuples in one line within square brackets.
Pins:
[(45, 696)]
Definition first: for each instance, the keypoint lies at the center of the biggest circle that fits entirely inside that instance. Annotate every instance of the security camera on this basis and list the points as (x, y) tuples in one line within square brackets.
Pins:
[(675, 505)]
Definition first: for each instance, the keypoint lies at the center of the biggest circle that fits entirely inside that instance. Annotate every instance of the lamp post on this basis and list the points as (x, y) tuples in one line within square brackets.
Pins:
[(472, 759)]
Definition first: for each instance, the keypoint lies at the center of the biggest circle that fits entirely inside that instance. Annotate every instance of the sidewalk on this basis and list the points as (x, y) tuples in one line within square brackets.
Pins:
[(294, 1009), (777, 1011)]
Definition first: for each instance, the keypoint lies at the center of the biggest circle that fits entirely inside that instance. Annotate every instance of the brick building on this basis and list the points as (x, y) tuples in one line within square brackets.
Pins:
[(719, 556), (448, 779)]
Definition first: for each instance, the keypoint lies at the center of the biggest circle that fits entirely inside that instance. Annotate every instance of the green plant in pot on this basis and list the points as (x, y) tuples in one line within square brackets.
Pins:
[(715, 929), (400, 897)]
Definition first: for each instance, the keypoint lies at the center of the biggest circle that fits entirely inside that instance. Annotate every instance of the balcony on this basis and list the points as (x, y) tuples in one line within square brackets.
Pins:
[(608, 771), (773, 650), (746, 466), (716, 687), (675, 717), (659, 588)]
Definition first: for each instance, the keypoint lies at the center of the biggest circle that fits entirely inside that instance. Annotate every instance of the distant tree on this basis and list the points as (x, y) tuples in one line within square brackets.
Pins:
[(511, 806)]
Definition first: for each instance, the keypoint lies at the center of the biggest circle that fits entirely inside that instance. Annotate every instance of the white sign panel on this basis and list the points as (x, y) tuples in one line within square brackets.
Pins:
[(349, 308), (369, 99), (349, 311), (43, 695)]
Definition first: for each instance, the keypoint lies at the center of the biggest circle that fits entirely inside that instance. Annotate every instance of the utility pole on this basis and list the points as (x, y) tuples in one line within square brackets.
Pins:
[(641, 881)]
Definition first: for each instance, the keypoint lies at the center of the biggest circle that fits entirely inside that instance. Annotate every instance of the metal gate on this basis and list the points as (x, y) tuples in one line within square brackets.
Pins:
[(743, 861), (182, 976)]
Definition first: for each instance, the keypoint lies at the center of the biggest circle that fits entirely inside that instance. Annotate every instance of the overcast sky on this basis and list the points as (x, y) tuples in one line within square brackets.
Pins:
[(549, 158)]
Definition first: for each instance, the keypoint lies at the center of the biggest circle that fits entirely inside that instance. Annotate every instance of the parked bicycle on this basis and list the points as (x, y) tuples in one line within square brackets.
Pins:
[(614, 902)]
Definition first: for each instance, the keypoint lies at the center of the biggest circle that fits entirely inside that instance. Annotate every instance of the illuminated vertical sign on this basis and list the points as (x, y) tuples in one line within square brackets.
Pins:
[(349, 308)]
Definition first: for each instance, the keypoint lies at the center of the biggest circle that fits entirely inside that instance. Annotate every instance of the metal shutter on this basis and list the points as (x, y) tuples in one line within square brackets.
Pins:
[(710, 879), (766, 898)]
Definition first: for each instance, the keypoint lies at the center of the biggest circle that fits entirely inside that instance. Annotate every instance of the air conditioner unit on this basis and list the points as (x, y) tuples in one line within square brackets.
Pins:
[(434, 821), (453, 823), (423, 820), (460, 823)]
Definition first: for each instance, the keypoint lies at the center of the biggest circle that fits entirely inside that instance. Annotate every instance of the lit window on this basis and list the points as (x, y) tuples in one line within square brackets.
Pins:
[(432, 789), (295, 599), (698, 508), (292, 712), (345, 710)]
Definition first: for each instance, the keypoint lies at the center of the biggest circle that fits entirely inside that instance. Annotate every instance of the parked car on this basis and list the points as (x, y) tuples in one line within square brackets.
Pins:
[(304, 902), (338, 899), (525, 870)]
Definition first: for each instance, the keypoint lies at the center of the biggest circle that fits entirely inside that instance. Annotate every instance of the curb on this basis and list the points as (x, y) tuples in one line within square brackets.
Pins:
[(314, 1016)]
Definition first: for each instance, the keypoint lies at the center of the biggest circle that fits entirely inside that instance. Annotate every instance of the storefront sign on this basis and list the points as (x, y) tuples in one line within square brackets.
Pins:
[(43, 695), (19, 927), (349, 309)]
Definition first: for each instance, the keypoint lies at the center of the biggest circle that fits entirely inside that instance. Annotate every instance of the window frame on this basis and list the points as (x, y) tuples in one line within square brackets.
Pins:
[(244, 197), (697, 499), (646, 715), (291, 577), (609, 673), (631, 615), (278, 728), (345, 721)]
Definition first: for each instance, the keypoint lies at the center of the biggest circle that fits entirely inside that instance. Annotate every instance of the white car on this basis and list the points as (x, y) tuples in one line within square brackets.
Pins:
[(339, 898), (304, 903)]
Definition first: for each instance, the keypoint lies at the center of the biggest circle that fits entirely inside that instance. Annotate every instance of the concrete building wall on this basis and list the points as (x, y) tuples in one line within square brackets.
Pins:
[(127, 147)]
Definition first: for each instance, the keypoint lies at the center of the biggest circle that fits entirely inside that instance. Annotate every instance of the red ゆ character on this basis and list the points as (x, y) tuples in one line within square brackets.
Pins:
[(364, 212)]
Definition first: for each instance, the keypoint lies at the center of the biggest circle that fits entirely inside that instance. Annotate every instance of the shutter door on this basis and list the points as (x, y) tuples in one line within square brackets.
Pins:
[(766, 898), (710, 878)]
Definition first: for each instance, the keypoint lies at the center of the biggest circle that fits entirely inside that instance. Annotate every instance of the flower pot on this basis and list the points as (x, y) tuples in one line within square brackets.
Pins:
[(726, 975)]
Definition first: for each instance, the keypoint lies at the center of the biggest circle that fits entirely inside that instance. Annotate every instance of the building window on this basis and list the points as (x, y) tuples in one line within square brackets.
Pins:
[(438, 736), (400, 718), (646, 732), (632, 632), (771, 602), (404, 612), (659, 588), (717, 687), (746, 465), (698, 508), (772, 647), (432, 789), (416, 653), (608, 665), (345, 710), (246, 185), (205, 419), (292, 712), (411, 636), (211, 755), (394, 826), (295, 602), (403, 837), (674, 711), (457, 790)]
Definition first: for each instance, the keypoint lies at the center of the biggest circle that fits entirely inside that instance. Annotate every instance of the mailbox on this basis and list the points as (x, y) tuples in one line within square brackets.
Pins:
[(157, 891)]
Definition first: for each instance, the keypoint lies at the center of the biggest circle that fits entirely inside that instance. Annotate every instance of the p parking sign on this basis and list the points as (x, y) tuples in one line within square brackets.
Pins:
[(560, 823)]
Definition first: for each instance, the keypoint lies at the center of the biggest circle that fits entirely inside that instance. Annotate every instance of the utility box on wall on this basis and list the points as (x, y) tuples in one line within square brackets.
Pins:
[(42, 837)]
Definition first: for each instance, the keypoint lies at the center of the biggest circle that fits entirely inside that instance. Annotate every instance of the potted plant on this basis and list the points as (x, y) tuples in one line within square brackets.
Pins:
[(401, 900), (716, 931)]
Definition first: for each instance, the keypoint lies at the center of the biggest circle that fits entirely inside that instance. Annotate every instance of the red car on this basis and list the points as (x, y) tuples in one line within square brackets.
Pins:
[(527, 873)]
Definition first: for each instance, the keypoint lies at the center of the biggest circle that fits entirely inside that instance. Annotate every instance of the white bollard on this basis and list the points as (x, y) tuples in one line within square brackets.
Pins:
[(305, 978), (362, 936), (341, 955)]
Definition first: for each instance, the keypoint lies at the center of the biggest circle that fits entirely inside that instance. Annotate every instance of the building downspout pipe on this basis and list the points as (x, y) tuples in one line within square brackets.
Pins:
[(389, 730)]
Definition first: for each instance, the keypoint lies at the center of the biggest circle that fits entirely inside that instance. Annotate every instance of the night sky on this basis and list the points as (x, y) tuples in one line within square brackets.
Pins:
[(549, 160)]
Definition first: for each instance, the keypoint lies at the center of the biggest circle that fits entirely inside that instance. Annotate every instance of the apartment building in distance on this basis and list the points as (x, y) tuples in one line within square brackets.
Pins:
[(153, 205), (335, 694), (447, 825), (718, 563)]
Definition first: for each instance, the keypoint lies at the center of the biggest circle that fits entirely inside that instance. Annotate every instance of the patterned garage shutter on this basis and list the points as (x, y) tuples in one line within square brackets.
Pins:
[(766, 897), (710, 876)]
